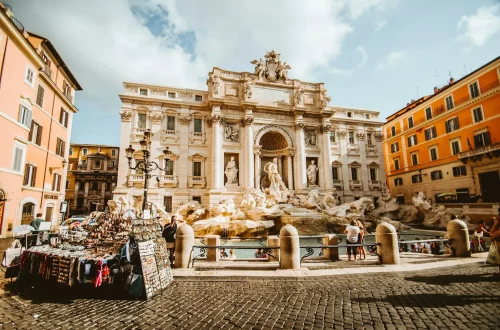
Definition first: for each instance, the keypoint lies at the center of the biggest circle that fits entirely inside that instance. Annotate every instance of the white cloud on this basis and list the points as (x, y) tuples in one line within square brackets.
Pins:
[(341, 72), (380, 24), (359, 7), (364, 56), (391, 60), (481, 26)]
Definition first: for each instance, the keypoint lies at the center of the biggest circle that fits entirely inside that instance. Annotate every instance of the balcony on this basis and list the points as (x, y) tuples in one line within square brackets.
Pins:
[(198, 181), (135, 178), (171, 135), (48, 70), (374, 185), (168, 181), (355, 185), (138, 133), (338, 184), (17, 24), (197, 136), (490, 151), (69, 97)]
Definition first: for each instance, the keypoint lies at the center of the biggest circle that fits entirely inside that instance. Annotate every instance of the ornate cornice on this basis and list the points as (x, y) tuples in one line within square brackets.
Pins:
[(185, 120), (361, 136), (379, 136), (156, 118), (126, 115), (342, 133)]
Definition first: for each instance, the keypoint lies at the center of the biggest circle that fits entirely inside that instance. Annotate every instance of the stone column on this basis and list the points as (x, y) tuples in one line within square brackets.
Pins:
[(213, 254), (331, 253), (457, 231), (388, 248), (182, 162), (87, 186), (217, 155), (184, 241), (290, 171), (289, 248), (344, 175), (300, 157), (257, 170), (274, 241), (75, 195), (280, 166), (249, 162), (326, 151), (365, 171)]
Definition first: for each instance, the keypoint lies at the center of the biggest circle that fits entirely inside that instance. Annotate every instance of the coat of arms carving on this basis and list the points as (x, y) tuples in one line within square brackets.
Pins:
[(272, 69)]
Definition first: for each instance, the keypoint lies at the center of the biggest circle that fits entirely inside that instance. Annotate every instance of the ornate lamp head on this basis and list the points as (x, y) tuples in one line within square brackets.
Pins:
[(130, 152)]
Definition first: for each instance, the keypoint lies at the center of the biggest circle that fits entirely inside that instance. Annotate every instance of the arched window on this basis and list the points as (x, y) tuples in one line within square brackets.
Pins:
[(97, 164), (28, 213)]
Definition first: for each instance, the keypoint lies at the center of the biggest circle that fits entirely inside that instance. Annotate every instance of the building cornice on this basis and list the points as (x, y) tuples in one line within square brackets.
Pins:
[(59, 93)]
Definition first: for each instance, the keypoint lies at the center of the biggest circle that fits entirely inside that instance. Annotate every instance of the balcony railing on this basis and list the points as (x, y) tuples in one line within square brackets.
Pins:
[(69, 97), (17, 24), (355, 185), (169, 134), (48, 70), (197, 136), (479, 151), (197, 180), (168, 181), (374, 184), (135, 178)]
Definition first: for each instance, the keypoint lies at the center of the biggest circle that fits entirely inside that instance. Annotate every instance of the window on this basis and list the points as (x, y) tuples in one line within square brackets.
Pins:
[(84, 151), (412, 140), (367, 116), (84, 162), (414, 159), (430, 133), (393, 130), (18, 158), (29, 175), (60, 147), (39, 96), (398, 181), (169, 168), (171, 95), (141, 120), (56, 182), (198, 98), (428, 113), (400, 199), (113, 152), (197, 199), (66, 90), (394, 147), (451, 125), (97, 165), (143, 92), (455, 147), (373, 174), (436, 175), (196, 168), (474, 90), (434, 153), (29, 76), (449, 102), (63, 118), (197, 125), (459, 171), (349, 114), (170, 123), (478, 115), (24, 116), (410, 122), (416, 178), (112, 163), (369, 138), (167, 202), (35, 135), (71, 151), (482, 139), (351, 137), (67, 184), (396, 164), (332, 137), (354, 173), (335, 173)]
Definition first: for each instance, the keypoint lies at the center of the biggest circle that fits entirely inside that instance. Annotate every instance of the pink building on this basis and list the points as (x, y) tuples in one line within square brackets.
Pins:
[(36, 112)]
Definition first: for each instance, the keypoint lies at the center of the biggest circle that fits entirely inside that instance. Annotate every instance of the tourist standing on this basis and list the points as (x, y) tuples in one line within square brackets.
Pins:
[(352, 232), (494, 254), (478, 235), (223, 253), (231, 254), (259, 254), (169, 235), (36, 222), (361, 240)]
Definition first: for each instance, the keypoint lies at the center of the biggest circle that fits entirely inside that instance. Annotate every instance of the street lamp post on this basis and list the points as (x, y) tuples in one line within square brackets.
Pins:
[(145, 164)]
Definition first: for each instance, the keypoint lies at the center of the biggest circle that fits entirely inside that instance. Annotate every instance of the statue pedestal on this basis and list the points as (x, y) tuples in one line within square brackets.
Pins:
[(231, 185), (314, 186)]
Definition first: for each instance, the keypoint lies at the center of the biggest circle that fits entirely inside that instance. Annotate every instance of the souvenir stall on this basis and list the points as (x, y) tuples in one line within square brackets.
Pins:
[(114, 251)]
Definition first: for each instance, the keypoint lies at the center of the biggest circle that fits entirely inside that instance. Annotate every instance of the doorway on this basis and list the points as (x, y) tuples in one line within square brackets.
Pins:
[(48, 213), (490, 186)]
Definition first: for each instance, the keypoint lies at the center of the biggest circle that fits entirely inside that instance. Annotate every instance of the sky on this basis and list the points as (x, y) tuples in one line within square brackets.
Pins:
[(371, 54)]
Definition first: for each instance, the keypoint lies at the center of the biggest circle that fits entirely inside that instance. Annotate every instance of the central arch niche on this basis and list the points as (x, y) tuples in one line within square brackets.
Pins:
[(272, 140), (273, 144)]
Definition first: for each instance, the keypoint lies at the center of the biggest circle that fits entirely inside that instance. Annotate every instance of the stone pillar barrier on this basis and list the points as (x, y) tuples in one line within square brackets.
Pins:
[(289, 248), (184, 241), (457, 231), (387, 237), (274, 241), (331, 253), (213, 254)]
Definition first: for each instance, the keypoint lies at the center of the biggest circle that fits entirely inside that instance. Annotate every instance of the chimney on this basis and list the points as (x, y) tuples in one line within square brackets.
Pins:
[(436, 90), (452, 80)]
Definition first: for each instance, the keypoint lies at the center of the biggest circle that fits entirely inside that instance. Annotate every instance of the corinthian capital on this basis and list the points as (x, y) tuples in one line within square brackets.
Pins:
[(126, 115), (325, 128), (246, 121), (215, 119), (299, 126)]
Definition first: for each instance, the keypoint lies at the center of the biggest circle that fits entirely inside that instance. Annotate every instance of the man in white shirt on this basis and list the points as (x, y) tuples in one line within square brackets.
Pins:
[(352, 232)]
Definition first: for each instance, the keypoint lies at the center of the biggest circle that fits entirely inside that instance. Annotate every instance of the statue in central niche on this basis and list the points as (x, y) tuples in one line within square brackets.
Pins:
[(277, 186), (231, 172)]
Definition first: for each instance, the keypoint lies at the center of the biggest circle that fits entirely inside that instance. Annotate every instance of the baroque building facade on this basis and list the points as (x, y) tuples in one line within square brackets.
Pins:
[(37, 91), (222, 138), (92, 175), (446, 144)]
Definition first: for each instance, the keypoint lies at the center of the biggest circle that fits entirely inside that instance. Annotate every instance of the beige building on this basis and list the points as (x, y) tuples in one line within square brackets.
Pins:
[(223, 137)]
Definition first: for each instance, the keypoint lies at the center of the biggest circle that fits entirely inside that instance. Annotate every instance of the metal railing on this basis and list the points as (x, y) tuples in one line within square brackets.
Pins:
[(372, 248), (17, 23), (204, 249)]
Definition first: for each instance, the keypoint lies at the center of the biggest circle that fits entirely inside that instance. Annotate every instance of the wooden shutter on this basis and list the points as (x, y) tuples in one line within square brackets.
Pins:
[(33, 176), (61, 116), (487, 140), (66, 119), (30, 135), (26, 174), (477, 141), (39, 135), (63, 146), (58, 182)]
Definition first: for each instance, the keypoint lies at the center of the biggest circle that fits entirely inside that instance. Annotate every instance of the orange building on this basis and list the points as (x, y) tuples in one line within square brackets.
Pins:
[(448, 144), (36, 113)]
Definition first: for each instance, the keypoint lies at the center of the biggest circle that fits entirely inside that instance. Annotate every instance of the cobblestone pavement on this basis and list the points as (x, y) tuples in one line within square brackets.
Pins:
[(464, 297)]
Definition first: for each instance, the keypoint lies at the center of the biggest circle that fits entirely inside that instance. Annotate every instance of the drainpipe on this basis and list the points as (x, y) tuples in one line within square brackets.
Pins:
[(3, 60)]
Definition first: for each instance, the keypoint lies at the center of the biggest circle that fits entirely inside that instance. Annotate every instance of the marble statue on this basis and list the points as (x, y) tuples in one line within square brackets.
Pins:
[(248, 89), (260, 67), (231, 134), (298, 95), (283, 71), (277, 187), (325, 99), (310, 138), (312, 170), (216, 85), (231, 172)]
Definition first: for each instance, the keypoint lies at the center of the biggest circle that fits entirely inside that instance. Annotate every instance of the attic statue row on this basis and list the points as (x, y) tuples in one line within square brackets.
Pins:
[(262, 129)]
